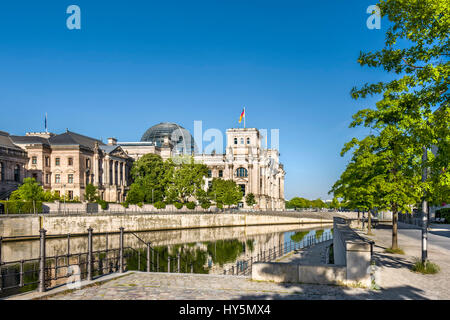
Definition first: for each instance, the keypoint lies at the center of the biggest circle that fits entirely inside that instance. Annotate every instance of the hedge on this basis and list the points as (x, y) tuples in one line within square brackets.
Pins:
[(206, 205), (445, 213), (17, 206), (160, 205), (178, 205), (190, 205)]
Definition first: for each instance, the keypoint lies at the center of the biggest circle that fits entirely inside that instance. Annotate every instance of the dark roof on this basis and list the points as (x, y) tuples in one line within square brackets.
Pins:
[(5, 141), (29, 140), (72, 138)]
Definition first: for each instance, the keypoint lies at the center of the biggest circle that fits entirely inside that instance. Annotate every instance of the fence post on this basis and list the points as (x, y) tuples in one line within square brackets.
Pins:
[(148, 257), (178, 263), (42, 260), (22, 273), (89, 257), (157, 261), (121, 250), (1, 276), (168, 264)]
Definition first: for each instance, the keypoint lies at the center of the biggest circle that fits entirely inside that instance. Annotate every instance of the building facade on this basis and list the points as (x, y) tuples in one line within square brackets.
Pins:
[(12, 165), (255, 169), (65, 163)]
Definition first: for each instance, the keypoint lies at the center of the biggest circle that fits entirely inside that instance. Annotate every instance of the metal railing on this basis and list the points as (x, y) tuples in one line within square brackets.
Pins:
[(244, 267)]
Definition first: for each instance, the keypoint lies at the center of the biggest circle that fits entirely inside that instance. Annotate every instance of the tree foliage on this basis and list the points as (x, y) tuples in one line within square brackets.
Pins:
[(225, 192)]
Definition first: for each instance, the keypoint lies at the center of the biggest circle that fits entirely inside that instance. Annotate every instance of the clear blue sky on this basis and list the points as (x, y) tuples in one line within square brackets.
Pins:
[(137, 63)]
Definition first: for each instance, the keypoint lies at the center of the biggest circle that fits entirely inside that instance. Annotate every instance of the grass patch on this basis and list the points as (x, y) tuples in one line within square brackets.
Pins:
[(394, 251), (425, 268)]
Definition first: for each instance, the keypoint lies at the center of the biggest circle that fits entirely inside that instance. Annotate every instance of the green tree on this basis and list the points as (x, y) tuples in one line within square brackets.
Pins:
[(29, 190), (225, 192), (187, 180), (91, 192), (250, 200), (416, 51), (335, 203), (149, 175)]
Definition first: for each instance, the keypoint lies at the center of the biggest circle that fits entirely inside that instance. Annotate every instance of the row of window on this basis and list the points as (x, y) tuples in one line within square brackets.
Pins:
[(240, 172), (220, 173), (58, 161), (242, 140), (3, 171)]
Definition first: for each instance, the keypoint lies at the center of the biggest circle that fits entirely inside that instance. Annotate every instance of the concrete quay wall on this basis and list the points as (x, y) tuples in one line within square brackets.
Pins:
[(19, 225)]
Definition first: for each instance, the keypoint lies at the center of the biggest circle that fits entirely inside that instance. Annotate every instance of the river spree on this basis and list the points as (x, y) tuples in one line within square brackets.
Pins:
[(202, 250)]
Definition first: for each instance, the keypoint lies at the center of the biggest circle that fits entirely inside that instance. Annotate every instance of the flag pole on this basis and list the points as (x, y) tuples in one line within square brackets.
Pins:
[(244, 117)]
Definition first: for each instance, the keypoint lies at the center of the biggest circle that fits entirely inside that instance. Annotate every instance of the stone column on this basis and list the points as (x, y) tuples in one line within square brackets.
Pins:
[(106, 170), (113, 172)]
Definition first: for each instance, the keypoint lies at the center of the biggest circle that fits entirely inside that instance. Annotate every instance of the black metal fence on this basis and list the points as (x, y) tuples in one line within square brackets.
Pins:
[(244, 267)]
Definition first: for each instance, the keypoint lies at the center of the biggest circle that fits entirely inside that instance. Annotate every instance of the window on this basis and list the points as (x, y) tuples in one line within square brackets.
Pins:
[(88, 163), (47, 161), (242, 140), (209, 173), (33, 160), (57, 178), (220, 173), (47, 178), (248, 140), (70, 161), (57, 160), (34, 176), (241, 172), (70, 178), (235, 140), (209, 184), (242, 189), (70, 194), (17, 173)]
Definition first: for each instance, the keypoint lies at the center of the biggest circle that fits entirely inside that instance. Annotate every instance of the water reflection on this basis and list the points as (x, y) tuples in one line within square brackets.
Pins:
[(204, 250)]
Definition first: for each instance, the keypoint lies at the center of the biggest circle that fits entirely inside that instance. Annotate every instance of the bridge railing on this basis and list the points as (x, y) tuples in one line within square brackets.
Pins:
[(243, 267)]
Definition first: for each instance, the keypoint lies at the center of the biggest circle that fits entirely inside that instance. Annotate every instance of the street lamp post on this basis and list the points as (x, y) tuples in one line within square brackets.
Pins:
[(424, 209)]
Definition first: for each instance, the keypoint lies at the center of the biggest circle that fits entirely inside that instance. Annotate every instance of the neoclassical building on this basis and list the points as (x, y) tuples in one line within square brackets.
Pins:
[(12, 165), (67, 162), (255, 169)]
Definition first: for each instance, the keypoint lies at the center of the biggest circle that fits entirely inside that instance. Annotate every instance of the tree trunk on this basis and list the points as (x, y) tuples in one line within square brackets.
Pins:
[(369, 221), (394, 229)]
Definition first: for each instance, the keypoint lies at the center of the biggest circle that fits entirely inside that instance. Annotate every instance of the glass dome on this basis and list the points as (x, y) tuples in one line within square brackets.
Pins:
[(181, 139)]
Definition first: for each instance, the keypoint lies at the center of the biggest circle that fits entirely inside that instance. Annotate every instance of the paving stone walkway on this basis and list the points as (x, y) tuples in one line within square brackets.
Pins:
[(396, 279), (164, 286), (314, 255)]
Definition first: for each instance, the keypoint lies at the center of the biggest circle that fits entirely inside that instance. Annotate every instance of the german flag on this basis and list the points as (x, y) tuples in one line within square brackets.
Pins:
[(242, 115)]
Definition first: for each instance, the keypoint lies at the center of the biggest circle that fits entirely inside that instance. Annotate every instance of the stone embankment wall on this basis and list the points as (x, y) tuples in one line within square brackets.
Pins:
[(20, 225), (352, 258)]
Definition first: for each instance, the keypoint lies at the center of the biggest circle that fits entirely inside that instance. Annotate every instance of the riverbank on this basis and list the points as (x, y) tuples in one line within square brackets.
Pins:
[(29, 225)]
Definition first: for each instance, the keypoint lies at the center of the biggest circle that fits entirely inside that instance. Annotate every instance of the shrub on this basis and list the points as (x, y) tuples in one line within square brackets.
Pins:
[(17, 206), (190, 205), (103, 204), (125, 204), (178, 205), (206, 205), (159, 205), (219, 205), (139, 204), (445, 213), (426, 268)]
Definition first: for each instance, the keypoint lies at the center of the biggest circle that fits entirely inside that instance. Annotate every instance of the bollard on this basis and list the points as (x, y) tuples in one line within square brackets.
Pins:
[(148, 257), (178, 263), (42, 260), (168, 264), (89, 257), (121, 250), (192, 268)]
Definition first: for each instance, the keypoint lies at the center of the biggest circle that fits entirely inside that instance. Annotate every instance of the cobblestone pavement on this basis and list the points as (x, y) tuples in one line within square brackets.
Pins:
[(164, 286), (314, 255), (395, 275), (395, 278)]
